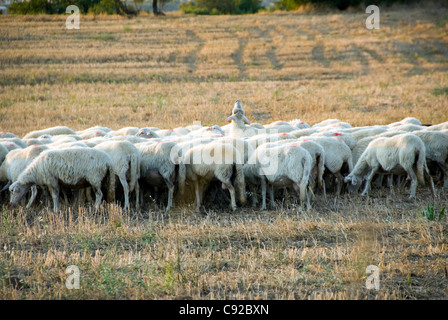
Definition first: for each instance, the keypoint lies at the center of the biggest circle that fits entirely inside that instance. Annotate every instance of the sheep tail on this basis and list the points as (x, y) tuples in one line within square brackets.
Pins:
[(240, 182), (111, 184), (306, 171), (421, 164)]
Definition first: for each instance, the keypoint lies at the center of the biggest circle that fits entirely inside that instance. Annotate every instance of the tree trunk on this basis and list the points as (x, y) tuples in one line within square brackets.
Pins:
[(155, 10)]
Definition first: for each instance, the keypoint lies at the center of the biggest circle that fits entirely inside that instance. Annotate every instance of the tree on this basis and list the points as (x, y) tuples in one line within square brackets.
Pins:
[(127, 9)]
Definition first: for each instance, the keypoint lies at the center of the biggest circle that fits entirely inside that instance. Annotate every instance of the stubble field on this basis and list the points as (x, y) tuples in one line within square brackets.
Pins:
[(174, 70)]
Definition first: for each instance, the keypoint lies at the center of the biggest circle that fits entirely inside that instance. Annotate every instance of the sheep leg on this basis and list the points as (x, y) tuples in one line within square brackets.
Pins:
[(137, 195), (54, 191), (198, 197), (33, 196), (339, 182), (271, 195), (253, 191), (170, 193), (232, 194), (263, 193), (390, 182), (430, 182), (414, 182), (125, 185), (445, 174), (369, 180), (98, 197)]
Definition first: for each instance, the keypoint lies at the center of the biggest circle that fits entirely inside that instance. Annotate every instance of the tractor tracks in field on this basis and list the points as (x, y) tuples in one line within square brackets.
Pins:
[(191, 59)]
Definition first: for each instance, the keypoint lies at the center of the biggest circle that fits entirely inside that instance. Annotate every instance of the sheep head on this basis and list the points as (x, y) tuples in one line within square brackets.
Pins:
[(147, 133), (353, 179), (18, 191)]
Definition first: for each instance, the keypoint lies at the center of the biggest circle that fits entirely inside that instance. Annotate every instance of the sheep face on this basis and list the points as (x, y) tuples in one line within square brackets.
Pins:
[(354, 180), (17, 191), (147, 133)]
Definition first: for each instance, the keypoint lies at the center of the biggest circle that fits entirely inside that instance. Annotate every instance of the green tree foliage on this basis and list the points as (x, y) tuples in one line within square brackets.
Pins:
[(85, 6), (341, 4), (221, 6)]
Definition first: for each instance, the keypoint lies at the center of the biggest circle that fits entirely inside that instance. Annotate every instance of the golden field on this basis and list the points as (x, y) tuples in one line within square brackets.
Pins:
[(170, 71)]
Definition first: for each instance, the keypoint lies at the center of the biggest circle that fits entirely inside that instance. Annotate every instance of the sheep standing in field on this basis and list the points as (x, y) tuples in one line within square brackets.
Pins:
[(436, 147), (338, 157), (280, 166), (126, 164), (216, 160), (158, 167), (75, 168), (16, 162), (54, 131), (397, 155)]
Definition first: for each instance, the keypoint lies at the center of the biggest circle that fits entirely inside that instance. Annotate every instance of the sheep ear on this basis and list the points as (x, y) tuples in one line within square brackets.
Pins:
[(229, 118), (246, 120), (5, 187), (354, 181)]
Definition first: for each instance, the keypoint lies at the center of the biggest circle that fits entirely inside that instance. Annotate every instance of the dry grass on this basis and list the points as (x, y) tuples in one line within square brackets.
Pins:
[(171, 71)]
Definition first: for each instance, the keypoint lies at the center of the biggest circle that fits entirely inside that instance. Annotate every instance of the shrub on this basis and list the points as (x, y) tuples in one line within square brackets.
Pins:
[(221, 6)]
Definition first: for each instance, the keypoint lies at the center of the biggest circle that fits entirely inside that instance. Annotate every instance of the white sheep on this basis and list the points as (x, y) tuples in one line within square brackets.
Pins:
[(216, 160), (126, 164), (54, 131), (436, 147), (147, 133), (126, 131), (75, 168), (158, 167), (238, 128), (338, 157), (16, 162), (396, 155), (4, 134), (19, 142), (299, 124), (280, 166)]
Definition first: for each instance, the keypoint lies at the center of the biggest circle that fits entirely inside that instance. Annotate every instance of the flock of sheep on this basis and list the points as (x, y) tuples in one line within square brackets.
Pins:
[(240, 159)]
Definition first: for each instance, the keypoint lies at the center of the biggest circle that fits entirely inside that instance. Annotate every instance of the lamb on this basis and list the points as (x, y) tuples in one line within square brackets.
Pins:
[(158, 167), (436, 147), (76, 168), (397, 155), (280, 166), (54, 131), (126, 164), (215, 160)]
